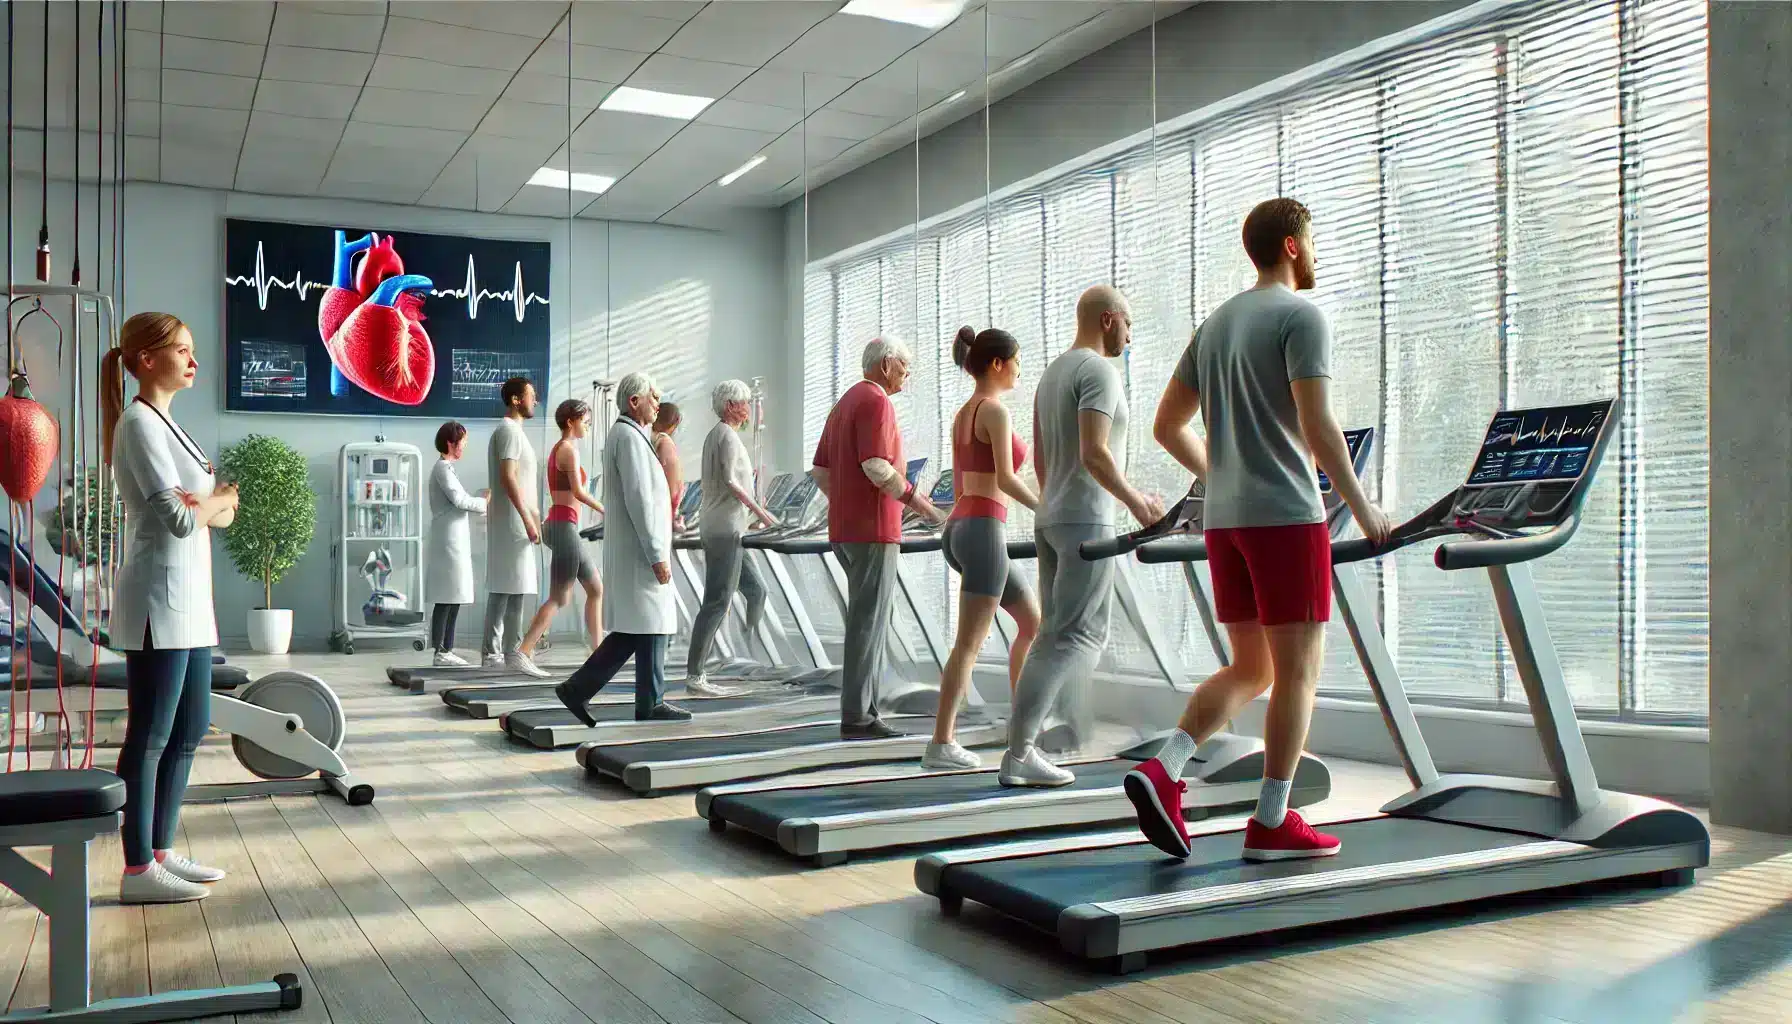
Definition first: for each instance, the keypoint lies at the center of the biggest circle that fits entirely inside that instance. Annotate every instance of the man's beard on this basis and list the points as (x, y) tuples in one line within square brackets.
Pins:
[(1113, 346), (1305, 276)]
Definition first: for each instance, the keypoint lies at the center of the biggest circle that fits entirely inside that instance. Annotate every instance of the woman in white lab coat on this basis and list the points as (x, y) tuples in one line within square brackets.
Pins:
[(449, 558)]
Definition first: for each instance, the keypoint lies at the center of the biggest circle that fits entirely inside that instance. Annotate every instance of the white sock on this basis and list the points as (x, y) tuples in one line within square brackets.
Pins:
[(1177, 749), (1272, 802)]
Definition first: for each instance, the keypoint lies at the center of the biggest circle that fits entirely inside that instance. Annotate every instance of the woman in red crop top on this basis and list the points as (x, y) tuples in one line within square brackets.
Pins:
[(569, 558), (986, 455)]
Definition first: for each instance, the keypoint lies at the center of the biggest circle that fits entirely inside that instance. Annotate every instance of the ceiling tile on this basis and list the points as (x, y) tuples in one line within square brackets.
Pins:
[(688, 77), (422, 109), (306, 99), (205, 127), (849, 45), (142, 84), (592, 63), (244, 21), (790, 88), (142, 118), (198, 89), (140, 157), (535, 201), (889, 96), (142, 49), (391, 71), (1057, 14), (534, 18), (746, 33), (377, 192), (846, 125), (409, 37), (213, 55), (303, 24), (498, 153), (607, 131), (399, 137), (353, 162), (552, 89), (640, 27), (198, 166), (315, 132), (757, 116), (305, 64), (519, 120), (278, 162)]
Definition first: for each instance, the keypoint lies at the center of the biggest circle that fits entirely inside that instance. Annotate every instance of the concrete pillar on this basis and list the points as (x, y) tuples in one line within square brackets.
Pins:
[(1751, 414)]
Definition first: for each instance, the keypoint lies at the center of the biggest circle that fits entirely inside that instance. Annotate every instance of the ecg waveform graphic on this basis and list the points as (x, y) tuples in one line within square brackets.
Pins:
[(1539, 445), (1570, 425), (519, 298)]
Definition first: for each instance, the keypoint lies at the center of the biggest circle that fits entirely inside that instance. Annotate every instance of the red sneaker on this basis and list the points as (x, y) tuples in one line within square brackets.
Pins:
[(1294, 840), (1159, 803)]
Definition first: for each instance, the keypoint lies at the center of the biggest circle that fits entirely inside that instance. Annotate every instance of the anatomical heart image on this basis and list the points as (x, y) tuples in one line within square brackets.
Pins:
[(357, 320)]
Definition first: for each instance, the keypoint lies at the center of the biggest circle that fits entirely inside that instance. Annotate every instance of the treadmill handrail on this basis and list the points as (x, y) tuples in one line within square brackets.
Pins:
[(1433, 522), (1482, 553)]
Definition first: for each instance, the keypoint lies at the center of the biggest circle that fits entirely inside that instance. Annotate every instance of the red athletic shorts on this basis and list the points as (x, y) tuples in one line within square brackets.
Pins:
[(1273, 575)]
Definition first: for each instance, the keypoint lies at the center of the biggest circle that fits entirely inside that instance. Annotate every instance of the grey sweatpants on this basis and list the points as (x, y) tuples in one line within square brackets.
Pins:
[(870, 592), (1076, 597), (725, 571), (506, 610)]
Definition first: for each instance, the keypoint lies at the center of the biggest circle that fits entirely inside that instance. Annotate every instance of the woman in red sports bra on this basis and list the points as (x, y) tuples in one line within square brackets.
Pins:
[(569, 559), (986, 456)]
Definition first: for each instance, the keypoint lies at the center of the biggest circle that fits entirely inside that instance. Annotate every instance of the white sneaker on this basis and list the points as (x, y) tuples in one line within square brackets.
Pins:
[(700, 686), (1032, 769), (493, 661), (191, 870), (949, 756), (449, 659), (159, 885), (517, 661)]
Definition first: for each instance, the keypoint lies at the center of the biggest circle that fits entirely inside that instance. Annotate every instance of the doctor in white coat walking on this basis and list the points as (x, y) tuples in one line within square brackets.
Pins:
[(637, 567), (449, 556)]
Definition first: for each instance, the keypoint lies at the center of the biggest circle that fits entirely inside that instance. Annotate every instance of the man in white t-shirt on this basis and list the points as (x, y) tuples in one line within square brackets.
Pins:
[(512, 529)]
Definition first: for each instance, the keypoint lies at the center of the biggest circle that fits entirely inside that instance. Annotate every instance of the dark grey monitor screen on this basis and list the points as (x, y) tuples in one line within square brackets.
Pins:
[(942, 490), (1539, 445), (693, 496), (915, 466), (1353, 439)]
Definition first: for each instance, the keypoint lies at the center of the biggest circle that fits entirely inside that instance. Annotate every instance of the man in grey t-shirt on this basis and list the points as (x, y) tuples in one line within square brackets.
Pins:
[(512, 529), (1079, 423), (1259, 370)]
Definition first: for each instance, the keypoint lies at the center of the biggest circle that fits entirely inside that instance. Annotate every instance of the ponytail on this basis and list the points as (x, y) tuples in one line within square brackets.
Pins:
[(142, 333), (111, 398), (974, 351)]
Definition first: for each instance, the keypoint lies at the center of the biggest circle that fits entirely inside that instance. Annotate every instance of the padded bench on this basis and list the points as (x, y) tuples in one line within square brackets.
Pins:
[(65, 809)]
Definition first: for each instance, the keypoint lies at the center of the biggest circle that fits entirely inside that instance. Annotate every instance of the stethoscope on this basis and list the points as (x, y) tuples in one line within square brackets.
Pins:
[(191, 446)]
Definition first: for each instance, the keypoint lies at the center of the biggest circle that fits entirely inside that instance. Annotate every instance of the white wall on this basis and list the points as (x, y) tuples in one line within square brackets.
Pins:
[(690, 306)]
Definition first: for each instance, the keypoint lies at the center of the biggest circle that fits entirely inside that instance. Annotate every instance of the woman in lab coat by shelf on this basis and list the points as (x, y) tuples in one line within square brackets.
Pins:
[(448, 560)]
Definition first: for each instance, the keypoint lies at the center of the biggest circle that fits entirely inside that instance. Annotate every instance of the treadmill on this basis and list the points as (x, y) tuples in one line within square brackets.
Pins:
[(436, 678), (652, 766), (826, 822), (492, 699), (1453, 838)]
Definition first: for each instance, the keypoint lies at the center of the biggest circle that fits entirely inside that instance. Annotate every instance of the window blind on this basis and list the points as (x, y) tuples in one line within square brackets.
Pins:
[(819, 346)]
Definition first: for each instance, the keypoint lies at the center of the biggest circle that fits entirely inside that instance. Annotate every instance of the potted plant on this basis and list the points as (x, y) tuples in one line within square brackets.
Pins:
[(275, 518)]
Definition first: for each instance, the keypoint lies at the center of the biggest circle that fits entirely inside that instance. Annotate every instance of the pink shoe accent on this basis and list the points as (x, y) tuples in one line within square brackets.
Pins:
[(137, 869), (1294, 840), (1158, 801)]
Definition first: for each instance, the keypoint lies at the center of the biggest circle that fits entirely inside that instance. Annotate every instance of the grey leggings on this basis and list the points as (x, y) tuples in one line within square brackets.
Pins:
[(976, 547), (1077, 597), (506, 610), (568, 558), (726, 570)]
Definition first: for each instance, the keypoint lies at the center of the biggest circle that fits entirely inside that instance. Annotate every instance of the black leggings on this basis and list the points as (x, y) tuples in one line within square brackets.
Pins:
[(170, 710), (441, 626)]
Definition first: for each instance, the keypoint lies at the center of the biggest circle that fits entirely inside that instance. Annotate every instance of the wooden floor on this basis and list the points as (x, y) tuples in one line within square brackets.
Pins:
[(488, 883)]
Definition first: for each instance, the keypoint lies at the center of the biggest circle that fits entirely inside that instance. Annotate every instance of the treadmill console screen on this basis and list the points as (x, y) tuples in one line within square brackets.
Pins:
[(1539, 445), (693, 496), (915, 466), (800, 494), (942, 491), (1354, 440), (781, 485)]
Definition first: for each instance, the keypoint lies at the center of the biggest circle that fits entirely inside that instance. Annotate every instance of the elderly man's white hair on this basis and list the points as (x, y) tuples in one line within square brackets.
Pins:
[(631, 385), (880, 349), (727, 392)]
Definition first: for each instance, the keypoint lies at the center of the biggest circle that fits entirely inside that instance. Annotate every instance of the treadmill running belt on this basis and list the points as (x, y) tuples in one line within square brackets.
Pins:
[(611, 759), (1037, 889), (521, 723), (460, 696), (765, 810)]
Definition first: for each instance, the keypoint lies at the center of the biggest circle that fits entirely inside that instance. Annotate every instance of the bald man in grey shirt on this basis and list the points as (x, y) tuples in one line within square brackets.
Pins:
[(1079, 422)]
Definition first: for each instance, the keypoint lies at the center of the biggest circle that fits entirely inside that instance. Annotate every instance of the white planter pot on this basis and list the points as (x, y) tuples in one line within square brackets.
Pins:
[(270, 630)]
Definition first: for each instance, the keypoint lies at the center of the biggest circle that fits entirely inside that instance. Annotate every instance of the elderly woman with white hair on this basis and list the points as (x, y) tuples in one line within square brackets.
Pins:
[(858, 464), (637, 563), (727, 502)]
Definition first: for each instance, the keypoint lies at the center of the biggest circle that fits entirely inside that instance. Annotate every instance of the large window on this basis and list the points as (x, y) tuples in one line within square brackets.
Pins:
[(1509, 213)]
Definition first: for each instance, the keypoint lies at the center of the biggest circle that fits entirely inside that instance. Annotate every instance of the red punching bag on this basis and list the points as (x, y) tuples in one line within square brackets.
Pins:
[(29, 441)]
